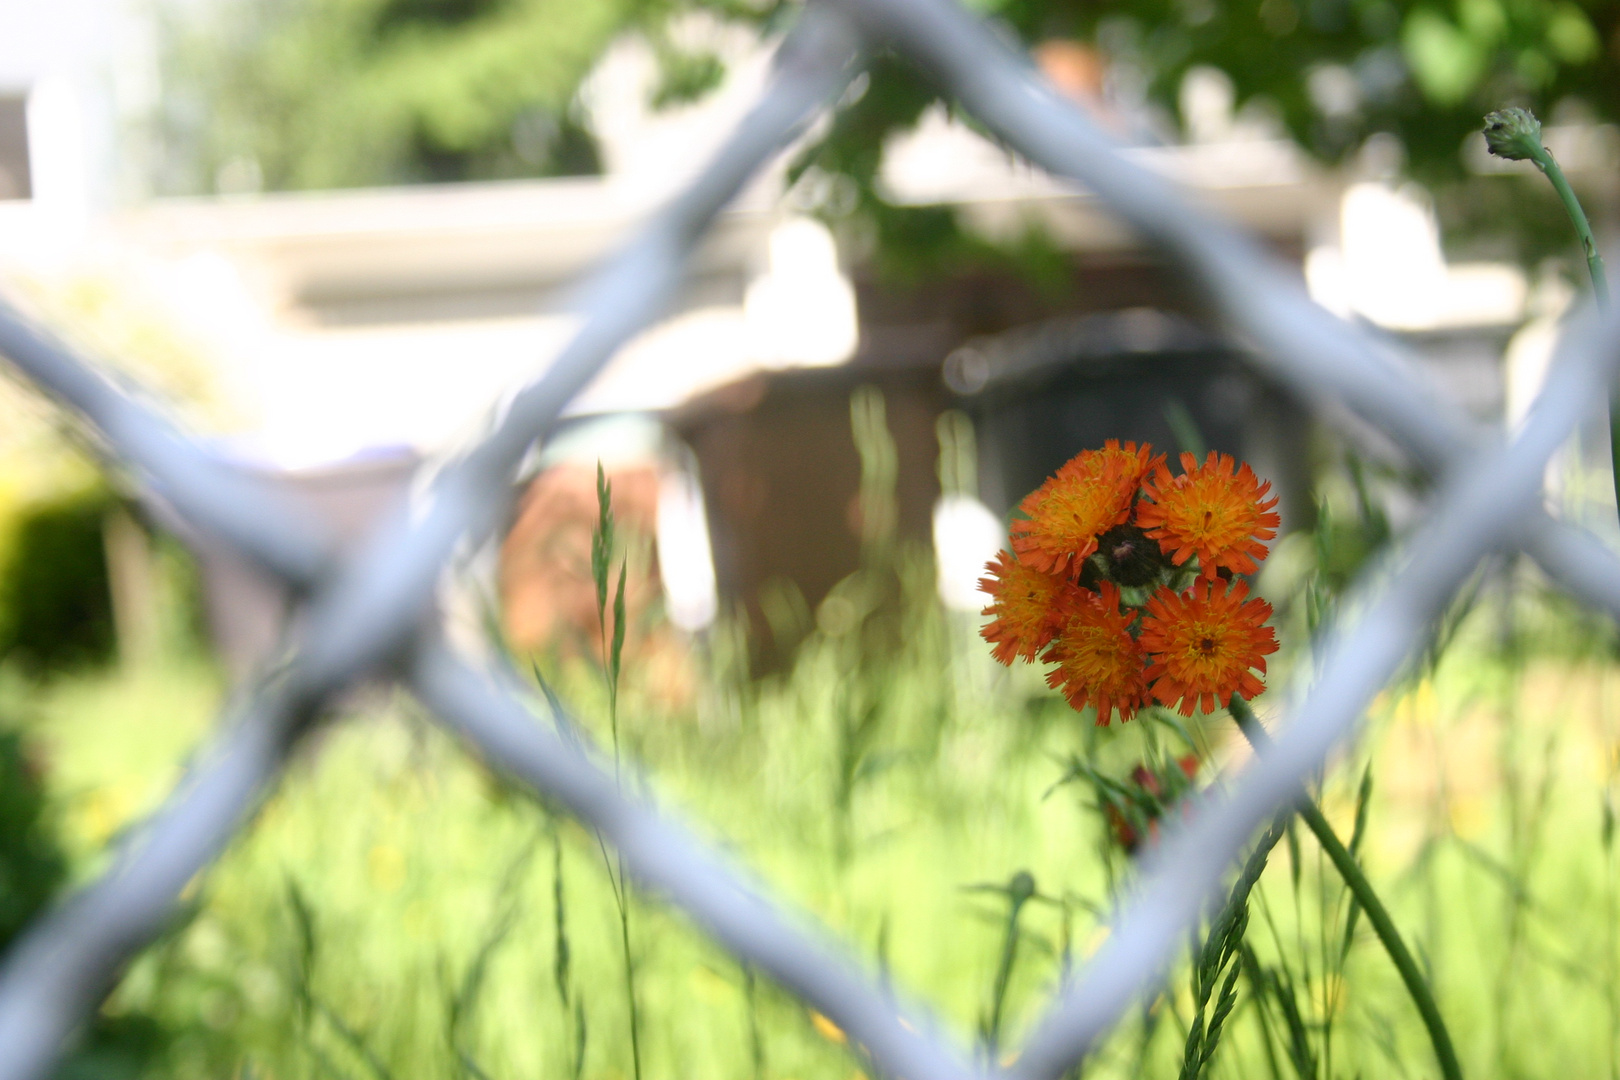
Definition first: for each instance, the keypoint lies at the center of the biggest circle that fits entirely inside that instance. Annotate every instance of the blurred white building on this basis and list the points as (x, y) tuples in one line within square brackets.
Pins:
[(356, 319), (70, 72), (354, 322)]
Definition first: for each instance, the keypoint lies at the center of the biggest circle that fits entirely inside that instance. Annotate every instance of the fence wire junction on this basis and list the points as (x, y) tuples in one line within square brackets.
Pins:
[(373, 612)]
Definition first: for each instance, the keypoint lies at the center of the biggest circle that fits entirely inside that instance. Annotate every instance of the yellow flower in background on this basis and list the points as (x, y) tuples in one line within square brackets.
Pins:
[(385, 867), (827, 1029)]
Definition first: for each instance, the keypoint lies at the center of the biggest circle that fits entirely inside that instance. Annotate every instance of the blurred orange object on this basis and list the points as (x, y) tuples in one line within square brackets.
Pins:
[(547, 597), (1073, 67)]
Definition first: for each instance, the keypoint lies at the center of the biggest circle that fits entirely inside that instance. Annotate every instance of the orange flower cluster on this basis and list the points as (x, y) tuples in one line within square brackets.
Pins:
[(1101, 583)]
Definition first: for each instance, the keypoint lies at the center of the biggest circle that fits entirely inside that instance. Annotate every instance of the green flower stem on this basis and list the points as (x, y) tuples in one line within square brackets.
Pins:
[(1361, 888), (1019, 891), (1600, 281), (1577, 217)]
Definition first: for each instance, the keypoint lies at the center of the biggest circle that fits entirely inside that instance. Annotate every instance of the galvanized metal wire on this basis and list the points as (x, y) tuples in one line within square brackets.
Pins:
[(373, 613)]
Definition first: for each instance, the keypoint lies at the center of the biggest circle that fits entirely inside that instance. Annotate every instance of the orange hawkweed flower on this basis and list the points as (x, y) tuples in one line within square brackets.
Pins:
[(1203, 643), (1098, 662), (1217, 509), (1025, 604), (1085, 498)]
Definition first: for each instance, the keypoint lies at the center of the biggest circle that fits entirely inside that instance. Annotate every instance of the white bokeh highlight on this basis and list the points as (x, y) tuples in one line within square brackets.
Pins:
[(966, 536)]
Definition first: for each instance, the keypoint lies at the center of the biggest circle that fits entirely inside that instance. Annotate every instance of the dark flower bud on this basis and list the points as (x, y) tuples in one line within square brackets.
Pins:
[(1514, 134), (1090, 576), (1128, 556), (1021, 887)]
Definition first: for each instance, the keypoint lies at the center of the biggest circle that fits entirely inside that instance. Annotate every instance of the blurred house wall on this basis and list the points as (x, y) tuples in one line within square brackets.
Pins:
[(547, 593), (1042, 370), (782, 477), (346, 322), (247, 611)]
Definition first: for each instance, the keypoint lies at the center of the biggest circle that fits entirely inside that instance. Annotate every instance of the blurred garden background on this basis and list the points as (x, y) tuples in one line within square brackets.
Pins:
[(328, 234)]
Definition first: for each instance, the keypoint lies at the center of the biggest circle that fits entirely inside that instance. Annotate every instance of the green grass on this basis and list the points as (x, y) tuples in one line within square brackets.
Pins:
[(391, 912)]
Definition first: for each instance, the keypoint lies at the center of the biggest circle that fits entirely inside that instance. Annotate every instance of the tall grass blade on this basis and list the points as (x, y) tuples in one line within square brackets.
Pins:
[(465, 1000), (562, 956), (756, 1039), (616, 657), (1259, 995), (602, 539), (304, 944), (1353, 915), (1222, 951), (580, 1039), (1019, 889), (1415, 978), (355, 1041)]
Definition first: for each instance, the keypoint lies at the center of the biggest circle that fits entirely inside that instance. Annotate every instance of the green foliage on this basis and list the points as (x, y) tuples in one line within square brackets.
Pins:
[(685, 76), (838, 178), (33, 869), (55, 607), (1221, 953), (389, 914), (437, 937), (339, 93), (301, 94), (1332, 72), (1347, 536), (31, 865), (296, 94), (1336, 71)]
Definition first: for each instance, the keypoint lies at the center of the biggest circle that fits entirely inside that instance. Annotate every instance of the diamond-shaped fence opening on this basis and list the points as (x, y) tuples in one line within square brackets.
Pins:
[(373, 613)]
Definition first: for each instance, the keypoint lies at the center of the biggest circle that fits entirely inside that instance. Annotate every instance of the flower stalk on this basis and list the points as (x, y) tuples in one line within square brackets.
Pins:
[(1377, 915), (1020, 890), (1222, 951), (1515, 134), (602, 546)]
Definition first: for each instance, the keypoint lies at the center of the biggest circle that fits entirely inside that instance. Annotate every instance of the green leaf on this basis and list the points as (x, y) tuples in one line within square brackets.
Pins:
[(1363, 796), (579, 1039), (1224, 1003), (618, 627), (1188, 435), (1294, 862), (602, 542), (562, 954)]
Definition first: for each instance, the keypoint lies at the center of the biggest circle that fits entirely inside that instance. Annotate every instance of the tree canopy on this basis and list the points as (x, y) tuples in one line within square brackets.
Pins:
[(297, 94), (322, 93), (1332, 74), (1337, 71)]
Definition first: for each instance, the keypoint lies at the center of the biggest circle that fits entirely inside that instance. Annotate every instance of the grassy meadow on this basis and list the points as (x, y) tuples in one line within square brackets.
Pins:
[(397, 912)]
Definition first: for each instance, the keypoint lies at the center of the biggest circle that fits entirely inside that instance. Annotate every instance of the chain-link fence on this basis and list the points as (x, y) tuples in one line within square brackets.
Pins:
[(374, 613)]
